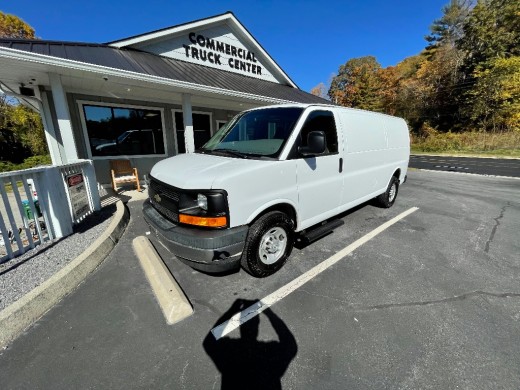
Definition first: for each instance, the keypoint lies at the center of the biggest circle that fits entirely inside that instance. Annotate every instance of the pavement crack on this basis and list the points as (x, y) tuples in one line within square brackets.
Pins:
[(322, 296), (440, 301), (358, 307), (497, 224), (183, 375)]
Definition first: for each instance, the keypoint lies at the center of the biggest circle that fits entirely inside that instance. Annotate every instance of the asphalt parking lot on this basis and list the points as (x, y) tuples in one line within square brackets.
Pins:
[(431, 302)]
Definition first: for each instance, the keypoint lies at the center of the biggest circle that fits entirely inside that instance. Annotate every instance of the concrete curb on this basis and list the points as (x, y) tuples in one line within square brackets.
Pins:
[(465, 173), (420, 154), (20, 315), (171, 298)]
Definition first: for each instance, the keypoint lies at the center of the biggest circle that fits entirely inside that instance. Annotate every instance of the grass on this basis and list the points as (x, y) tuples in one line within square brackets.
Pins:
[(474, 143)]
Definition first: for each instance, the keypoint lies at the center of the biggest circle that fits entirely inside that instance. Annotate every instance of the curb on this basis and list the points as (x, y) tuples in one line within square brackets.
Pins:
[(169, 295), (420, 154), (464, 173), (23, 313)]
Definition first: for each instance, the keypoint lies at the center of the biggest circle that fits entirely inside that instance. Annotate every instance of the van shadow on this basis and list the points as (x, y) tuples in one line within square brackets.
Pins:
[(248, 363)]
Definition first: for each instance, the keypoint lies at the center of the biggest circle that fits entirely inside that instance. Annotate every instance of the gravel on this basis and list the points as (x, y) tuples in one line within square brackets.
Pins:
[(23, 273)]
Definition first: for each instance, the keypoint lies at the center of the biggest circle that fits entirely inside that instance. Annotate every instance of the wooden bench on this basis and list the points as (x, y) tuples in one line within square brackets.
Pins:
[(122, 172)]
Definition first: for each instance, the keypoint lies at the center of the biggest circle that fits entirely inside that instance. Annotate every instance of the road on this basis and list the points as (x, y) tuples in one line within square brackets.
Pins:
[(483, 166), (432, 302)]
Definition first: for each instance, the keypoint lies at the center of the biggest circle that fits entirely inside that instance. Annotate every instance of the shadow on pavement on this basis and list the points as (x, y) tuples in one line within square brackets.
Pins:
[(247, 363)]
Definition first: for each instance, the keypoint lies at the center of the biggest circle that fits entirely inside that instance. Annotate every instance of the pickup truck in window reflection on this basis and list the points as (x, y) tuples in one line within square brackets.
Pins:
[(132, 142)]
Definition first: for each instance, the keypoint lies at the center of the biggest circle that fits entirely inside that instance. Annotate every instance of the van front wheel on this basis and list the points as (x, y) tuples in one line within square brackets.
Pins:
[(387, 198), (268, 245)]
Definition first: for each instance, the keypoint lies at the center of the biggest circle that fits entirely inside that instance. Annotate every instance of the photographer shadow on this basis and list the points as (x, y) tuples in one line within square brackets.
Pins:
[(247, 363)]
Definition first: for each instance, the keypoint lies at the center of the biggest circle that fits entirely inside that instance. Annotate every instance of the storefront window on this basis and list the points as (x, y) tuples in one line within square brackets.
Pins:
[(117, 131), (201, 130)]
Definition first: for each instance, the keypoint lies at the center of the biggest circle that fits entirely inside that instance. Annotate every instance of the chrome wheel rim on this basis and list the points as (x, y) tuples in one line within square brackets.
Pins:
[(392, 192), (272, 245)]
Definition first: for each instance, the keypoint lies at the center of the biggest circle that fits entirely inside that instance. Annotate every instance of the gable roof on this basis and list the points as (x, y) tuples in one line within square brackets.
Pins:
[(140, 62), (226, 18)]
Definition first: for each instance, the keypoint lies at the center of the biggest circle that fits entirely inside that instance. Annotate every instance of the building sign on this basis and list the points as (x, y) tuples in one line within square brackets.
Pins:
[(78, 195), (204, 49)]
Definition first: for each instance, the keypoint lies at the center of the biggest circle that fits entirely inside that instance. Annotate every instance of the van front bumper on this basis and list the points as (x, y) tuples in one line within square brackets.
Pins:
[(208, 250)]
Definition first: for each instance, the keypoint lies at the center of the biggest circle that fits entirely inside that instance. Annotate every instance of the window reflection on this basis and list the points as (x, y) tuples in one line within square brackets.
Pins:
[(115, 131)]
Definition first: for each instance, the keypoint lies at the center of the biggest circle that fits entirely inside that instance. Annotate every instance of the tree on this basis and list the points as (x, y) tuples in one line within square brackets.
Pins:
[(450, 27), (320, 90), (496, 95), (25, 125), (357, 84), (491, 31), (12, 26)]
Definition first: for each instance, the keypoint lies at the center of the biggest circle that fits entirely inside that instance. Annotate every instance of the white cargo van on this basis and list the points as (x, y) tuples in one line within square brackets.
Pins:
[(270, 174)]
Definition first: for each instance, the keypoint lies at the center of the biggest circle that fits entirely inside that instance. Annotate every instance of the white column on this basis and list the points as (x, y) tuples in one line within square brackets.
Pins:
[(63, 117), (48, 126), (189, 139)]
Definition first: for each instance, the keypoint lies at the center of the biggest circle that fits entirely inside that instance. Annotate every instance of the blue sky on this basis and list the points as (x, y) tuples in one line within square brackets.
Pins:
[(308, 39)]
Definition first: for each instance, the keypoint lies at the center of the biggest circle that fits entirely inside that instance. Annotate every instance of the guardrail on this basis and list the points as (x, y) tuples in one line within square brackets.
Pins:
[(43, 203)]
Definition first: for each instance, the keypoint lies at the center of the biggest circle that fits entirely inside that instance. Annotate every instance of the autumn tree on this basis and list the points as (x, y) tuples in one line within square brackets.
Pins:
[(320, 90), (357, 84), (12, 26)]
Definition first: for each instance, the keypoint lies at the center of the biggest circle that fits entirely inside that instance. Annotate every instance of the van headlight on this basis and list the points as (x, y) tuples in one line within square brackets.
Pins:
[(207, 209), (202, 201)]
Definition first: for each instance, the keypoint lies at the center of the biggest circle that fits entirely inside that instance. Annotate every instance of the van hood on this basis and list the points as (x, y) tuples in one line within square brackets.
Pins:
[(202, 171)]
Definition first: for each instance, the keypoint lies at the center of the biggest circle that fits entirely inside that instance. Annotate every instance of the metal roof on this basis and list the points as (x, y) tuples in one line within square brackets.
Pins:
[(151, 64)]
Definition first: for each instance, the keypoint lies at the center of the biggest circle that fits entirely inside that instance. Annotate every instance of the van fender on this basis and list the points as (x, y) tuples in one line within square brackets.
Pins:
[(396, 172), (272, 204)]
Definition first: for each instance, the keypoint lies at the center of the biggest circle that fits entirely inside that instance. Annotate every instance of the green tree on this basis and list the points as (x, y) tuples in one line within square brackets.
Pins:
[(496, 95), (491, 31), (450, 27), (12, 26), (357, 84)]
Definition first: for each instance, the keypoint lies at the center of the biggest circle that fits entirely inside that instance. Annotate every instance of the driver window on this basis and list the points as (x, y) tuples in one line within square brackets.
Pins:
[(321, 121)]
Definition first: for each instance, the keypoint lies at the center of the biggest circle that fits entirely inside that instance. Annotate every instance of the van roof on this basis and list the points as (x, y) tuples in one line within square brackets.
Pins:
[(334, 106)]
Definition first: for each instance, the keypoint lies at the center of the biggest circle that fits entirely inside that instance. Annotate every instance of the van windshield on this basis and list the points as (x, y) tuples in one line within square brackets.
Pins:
[(257, 133)]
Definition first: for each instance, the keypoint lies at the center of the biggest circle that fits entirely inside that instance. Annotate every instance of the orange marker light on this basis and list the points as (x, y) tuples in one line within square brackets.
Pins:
[(203, 221)]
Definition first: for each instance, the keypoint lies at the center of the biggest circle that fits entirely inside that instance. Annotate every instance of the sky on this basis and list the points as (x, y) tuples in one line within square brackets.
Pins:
[(308, 39)]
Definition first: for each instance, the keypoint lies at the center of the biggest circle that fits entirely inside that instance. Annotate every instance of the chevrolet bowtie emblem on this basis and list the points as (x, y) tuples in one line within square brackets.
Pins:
[(157, 198)]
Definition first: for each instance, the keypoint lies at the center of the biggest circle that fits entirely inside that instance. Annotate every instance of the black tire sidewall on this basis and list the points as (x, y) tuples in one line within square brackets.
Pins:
[(251, 261), (384, 198)]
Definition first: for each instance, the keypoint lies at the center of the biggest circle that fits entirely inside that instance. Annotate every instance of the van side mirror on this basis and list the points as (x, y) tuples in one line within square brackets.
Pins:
[(316, 143)]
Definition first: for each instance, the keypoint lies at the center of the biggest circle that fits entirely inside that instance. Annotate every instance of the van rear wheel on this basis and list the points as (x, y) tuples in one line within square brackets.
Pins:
[(387, 198), (268, 245)]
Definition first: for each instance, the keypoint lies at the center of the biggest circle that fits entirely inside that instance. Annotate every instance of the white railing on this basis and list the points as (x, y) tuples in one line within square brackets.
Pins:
[(41, 205)]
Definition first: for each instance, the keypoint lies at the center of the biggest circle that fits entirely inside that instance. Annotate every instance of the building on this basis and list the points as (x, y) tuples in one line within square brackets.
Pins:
[(145, 97)]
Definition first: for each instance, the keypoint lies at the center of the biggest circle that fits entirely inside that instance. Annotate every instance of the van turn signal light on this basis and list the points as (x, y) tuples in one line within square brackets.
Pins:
[(203, 221)]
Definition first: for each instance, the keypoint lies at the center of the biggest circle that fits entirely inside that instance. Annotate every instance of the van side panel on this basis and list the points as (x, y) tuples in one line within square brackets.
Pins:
[(375, 146)]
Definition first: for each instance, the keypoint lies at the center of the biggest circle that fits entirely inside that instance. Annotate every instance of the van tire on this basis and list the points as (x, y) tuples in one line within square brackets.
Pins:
[(273, 229), (387, 198)]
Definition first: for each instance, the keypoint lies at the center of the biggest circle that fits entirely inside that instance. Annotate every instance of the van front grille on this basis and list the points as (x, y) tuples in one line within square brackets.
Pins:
[(164, 199), (171, 215), (163, 189)]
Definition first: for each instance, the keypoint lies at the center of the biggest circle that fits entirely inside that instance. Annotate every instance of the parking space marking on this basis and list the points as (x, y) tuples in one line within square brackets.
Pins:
[(252, 311)]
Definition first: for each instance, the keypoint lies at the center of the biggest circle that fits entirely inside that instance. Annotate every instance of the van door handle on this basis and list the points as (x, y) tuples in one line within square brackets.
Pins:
[(340, 165)]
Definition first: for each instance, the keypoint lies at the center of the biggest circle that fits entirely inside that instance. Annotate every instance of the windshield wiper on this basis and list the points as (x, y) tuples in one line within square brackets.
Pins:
[(232, 152)]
